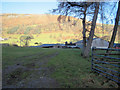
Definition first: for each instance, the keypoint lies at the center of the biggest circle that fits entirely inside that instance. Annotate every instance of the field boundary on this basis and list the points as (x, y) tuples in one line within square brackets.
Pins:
[(106, 64)]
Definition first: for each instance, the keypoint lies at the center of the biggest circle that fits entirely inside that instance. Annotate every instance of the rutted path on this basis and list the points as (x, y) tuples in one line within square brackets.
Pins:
[(39, 78)]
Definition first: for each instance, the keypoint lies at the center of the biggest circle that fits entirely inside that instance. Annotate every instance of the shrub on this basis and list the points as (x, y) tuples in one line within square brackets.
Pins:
[(27, 30), (13, 30)]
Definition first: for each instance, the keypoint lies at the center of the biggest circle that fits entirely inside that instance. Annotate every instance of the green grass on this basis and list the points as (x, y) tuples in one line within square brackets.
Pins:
[(44, 38), (69, 68), (73, 71), (12, 55)]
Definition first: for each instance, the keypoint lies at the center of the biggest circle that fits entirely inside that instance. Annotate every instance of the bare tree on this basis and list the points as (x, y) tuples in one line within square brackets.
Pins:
[(80, 9), (84, 30), (25, 40), (115, 27), (87, 49)]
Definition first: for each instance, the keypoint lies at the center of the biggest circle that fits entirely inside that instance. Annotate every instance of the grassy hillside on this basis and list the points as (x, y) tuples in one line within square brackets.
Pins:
[(46, 28)]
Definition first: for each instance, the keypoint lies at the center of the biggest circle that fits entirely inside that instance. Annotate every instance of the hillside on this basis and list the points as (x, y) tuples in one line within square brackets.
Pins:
[(47, 28), (34, 24)]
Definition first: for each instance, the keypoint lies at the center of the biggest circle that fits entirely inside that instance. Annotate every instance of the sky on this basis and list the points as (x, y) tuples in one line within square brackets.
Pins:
[(28, 7)]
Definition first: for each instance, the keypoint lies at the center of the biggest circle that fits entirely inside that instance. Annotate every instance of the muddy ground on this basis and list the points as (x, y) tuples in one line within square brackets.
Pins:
[(22, 75)]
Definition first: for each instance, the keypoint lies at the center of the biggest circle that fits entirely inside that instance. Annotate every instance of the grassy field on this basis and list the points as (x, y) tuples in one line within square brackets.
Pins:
[(66, 66), (44, 38)]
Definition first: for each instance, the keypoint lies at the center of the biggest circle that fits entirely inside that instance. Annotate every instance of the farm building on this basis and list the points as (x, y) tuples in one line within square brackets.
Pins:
[(97, 42), (50, 46), (1, 39), (70, 45)]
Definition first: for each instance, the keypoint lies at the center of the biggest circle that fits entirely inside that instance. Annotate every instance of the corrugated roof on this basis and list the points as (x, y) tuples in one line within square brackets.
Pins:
[(86, 40)]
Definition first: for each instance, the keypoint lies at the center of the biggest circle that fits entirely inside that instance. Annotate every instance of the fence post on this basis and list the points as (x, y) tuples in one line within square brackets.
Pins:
[(92, 58), (119, 70)]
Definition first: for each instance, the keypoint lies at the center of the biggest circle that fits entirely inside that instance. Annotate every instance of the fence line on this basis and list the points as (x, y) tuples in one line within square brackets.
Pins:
[(102, 63)]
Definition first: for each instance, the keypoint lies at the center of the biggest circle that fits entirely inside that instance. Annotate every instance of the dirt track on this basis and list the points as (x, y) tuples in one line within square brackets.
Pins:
[(39, 78)]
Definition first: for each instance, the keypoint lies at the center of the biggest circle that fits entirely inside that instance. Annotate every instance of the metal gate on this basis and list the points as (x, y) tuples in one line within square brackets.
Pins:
[(105, 64)]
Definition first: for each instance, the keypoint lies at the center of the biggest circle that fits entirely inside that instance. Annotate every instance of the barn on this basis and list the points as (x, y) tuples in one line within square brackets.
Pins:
[(97, 42)]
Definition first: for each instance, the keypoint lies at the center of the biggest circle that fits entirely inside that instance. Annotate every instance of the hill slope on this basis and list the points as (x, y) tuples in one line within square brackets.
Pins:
[(46, 28)]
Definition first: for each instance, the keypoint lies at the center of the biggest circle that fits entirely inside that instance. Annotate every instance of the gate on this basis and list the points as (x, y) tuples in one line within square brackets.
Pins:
[(105, 64)]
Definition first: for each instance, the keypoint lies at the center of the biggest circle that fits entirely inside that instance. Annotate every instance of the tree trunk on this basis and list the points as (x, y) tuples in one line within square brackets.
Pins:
[(20, 43), (115, 28), (118, 32), (84, 31), (26, 43), (88, 47)]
